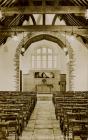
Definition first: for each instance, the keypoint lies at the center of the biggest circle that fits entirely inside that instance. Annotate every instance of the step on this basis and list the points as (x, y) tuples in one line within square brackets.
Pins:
[(44, 97)]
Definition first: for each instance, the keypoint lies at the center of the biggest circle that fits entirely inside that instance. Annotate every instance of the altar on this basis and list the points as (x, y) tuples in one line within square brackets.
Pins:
[(44, 88)]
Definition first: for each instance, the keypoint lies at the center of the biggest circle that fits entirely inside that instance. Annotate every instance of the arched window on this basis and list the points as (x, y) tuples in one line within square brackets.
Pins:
[(44, 58)]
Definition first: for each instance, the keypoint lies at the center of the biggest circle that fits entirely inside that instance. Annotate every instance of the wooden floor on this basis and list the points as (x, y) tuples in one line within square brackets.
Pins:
[(43, 124)]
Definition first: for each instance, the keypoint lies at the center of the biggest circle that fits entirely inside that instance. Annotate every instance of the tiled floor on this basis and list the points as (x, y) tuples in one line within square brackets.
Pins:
[(42, 124)]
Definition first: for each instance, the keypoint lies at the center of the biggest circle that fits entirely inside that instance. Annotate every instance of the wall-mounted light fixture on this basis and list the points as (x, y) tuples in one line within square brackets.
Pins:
[(86, 14), (15, 37), (23, 47), (65, 48), (1, 14), (72, 34)]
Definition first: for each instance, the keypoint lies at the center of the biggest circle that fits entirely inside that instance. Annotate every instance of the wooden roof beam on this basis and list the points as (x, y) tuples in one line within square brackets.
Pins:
[(43, 10), (81, 30)]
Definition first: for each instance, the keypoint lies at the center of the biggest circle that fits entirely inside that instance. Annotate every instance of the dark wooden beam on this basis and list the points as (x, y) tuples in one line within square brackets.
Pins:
[(30, 2), (44, 19), (56, 2), (43, 2), (33, 19), (54, 19), (44, 10), (81, 30)]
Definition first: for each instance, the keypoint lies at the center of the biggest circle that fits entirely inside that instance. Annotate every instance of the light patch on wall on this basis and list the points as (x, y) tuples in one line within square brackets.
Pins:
[(15, 37), (1, 14), (25, 22), (59, 22), (65, 49), (49, 18), (38, 18), (5, 48), (67, 58), (72, 38), (86, 14)]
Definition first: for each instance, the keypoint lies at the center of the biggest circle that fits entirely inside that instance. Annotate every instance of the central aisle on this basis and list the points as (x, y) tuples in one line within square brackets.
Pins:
[(43, 124)]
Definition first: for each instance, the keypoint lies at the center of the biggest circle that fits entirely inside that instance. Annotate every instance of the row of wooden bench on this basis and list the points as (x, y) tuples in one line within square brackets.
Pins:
[(71, 109), (15, 111)]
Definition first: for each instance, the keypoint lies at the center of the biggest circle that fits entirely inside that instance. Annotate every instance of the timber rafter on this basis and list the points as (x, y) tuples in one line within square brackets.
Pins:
[(81, 30), (44, 10)]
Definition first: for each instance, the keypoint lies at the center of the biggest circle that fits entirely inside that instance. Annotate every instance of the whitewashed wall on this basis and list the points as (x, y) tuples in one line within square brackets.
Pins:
[(26, 59), (80, 79), (7, 64)]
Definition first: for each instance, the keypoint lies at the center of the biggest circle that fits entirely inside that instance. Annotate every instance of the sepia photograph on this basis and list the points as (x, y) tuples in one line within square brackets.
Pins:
[(43, 69)]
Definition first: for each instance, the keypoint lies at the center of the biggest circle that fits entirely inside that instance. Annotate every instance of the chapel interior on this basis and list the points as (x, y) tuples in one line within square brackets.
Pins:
[(43, 69)]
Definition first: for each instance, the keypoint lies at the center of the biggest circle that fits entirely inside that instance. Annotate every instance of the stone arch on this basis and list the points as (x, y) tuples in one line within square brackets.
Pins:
[(44, 37), (28, 40)]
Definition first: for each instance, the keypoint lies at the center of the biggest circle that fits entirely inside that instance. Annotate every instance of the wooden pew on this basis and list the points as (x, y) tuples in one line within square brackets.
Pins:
[(15, 111), (71, 106), (78, 126)]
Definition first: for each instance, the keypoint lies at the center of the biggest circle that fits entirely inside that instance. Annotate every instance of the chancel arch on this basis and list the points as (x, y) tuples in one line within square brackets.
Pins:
[(34, 39)]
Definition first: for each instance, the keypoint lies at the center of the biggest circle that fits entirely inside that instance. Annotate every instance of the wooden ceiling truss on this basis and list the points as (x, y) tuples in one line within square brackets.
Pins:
[(16, 11)]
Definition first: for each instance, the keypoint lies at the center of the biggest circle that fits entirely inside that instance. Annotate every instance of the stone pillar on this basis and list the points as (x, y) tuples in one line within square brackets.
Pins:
[(70, 69), (17, 68)]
